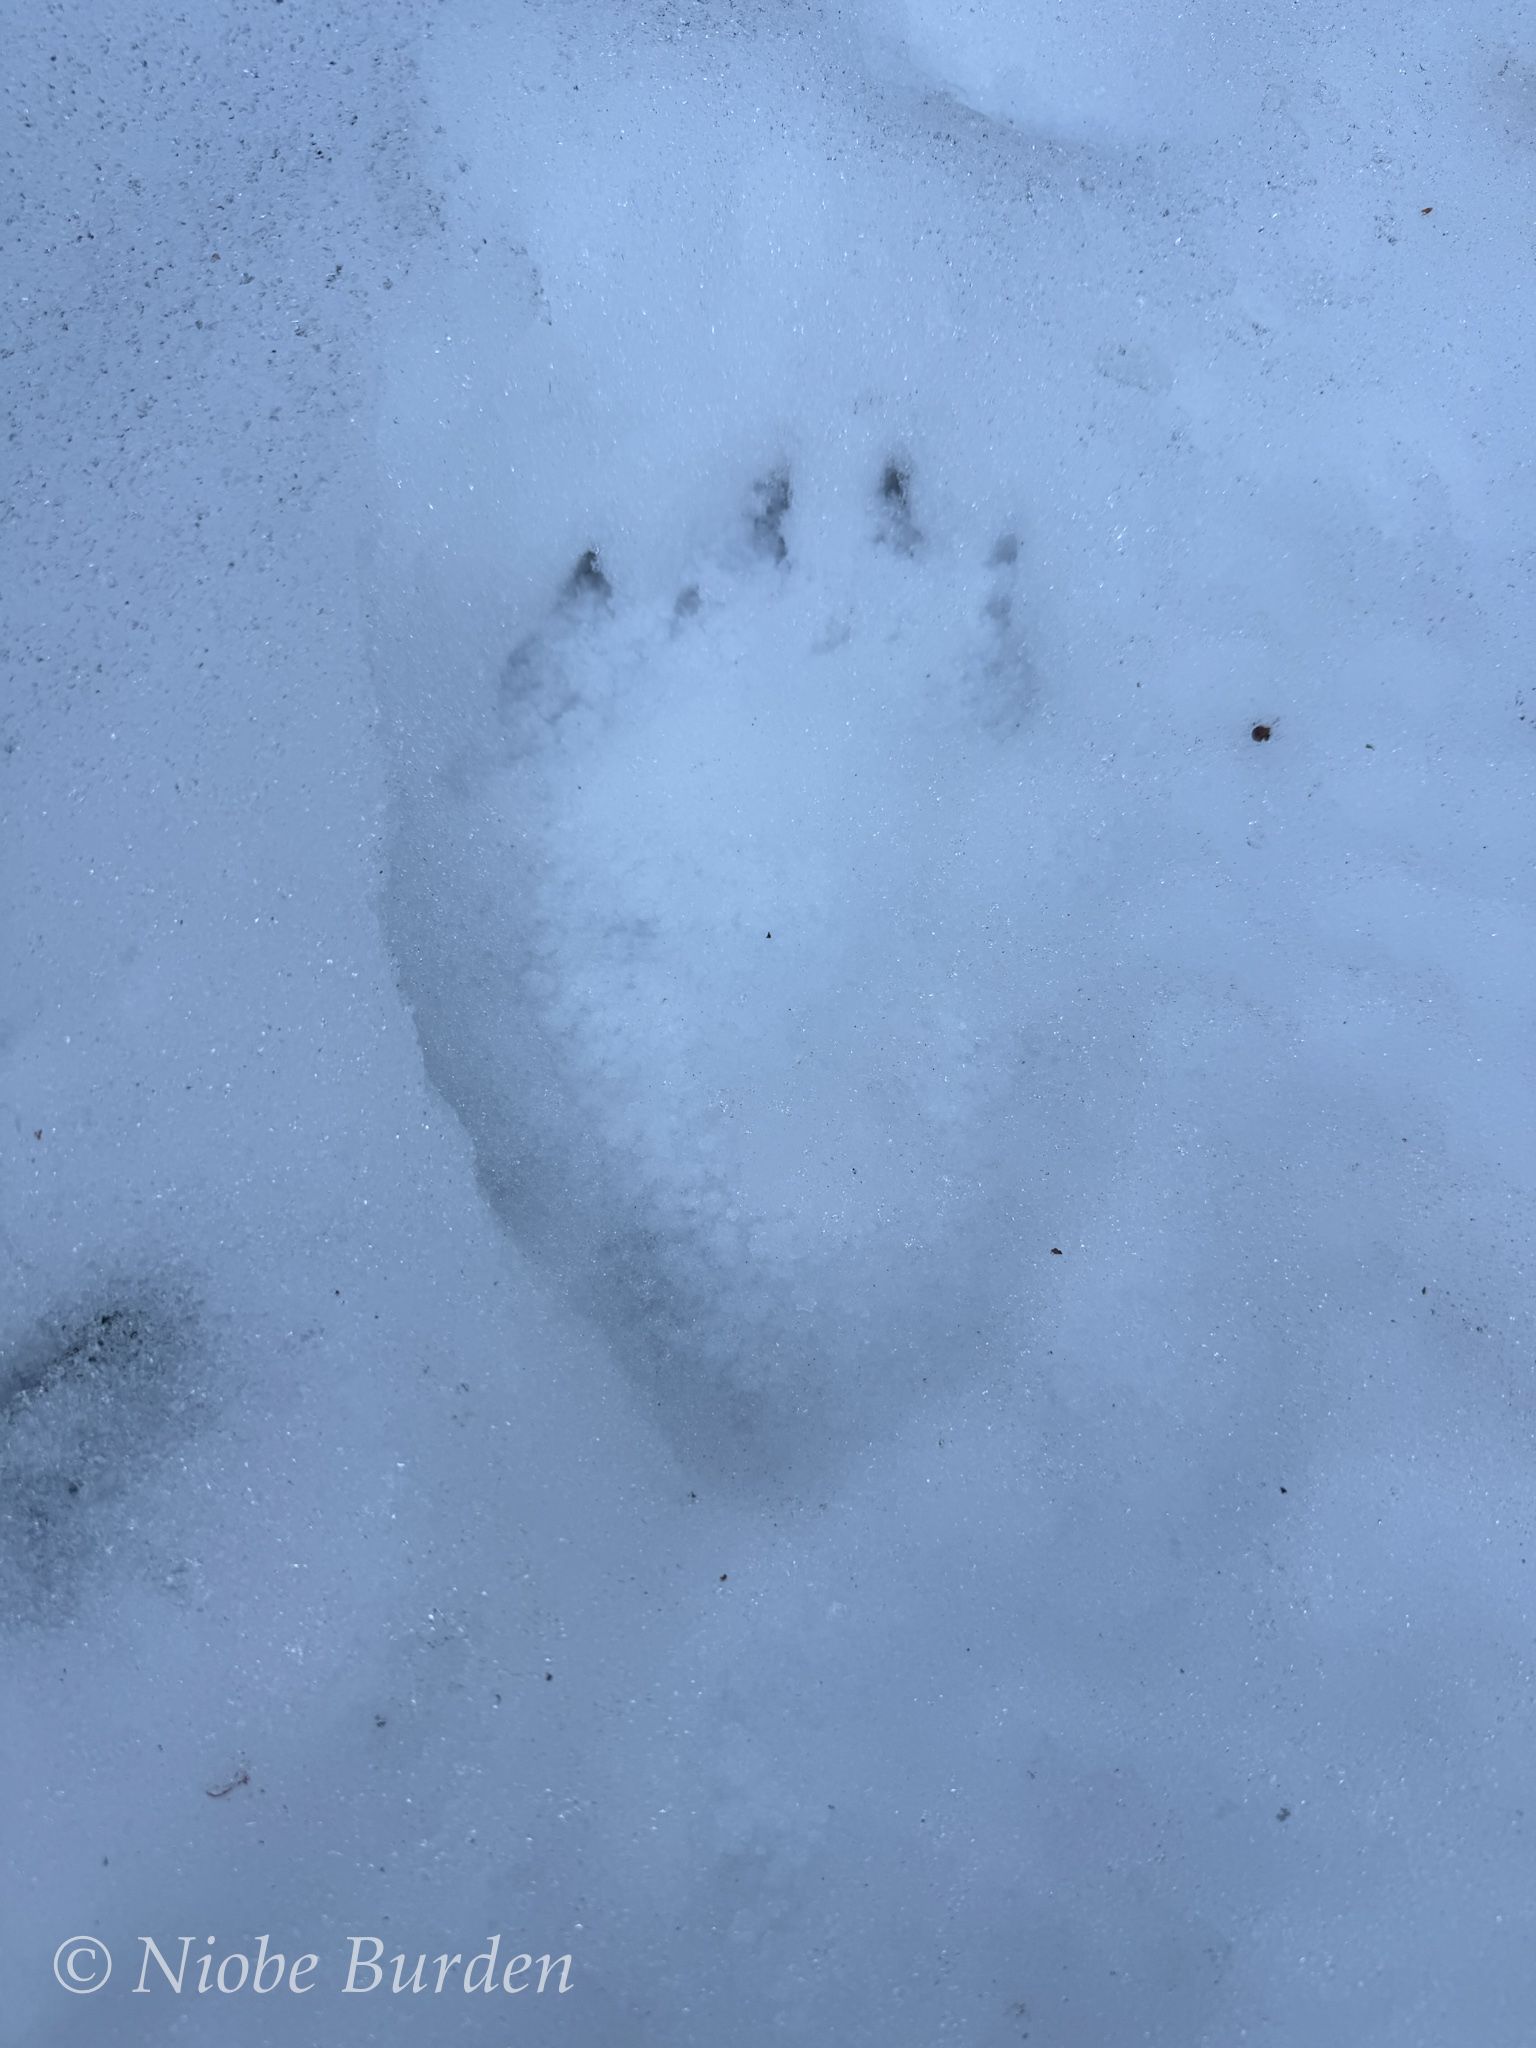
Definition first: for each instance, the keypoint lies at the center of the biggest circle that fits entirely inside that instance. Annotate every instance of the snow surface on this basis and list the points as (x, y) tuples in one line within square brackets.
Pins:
[(958, 1472)]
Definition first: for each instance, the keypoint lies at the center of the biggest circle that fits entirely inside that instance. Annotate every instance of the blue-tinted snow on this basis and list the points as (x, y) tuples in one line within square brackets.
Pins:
[(514, 507)]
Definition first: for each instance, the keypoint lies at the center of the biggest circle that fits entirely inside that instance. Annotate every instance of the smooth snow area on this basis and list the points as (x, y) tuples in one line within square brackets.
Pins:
[(728, 1234)]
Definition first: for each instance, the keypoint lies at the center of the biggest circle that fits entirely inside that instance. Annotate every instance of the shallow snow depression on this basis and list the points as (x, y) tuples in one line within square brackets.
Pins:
[(807, 1284)]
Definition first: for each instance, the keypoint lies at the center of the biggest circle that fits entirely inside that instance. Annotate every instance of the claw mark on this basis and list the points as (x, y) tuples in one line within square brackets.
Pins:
[(587, 579), (897, 525), (773, 497), (999, 605)]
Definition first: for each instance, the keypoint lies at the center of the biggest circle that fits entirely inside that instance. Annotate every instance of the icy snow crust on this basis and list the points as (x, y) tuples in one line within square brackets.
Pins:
[(750, 1253)]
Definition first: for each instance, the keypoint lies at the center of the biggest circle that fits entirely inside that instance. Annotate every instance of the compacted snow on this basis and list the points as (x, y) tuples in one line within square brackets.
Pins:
[(764, 1034)]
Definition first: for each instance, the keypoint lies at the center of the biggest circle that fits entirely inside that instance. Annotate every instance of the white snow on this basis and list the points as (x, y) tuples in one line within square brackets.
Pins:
[(960, 1471)]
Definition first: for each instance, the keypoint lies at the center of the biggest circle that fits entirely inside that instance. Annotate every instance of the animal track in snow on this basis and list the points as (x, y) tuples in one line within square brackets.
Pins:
[(91, 1402), (740, 952)]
